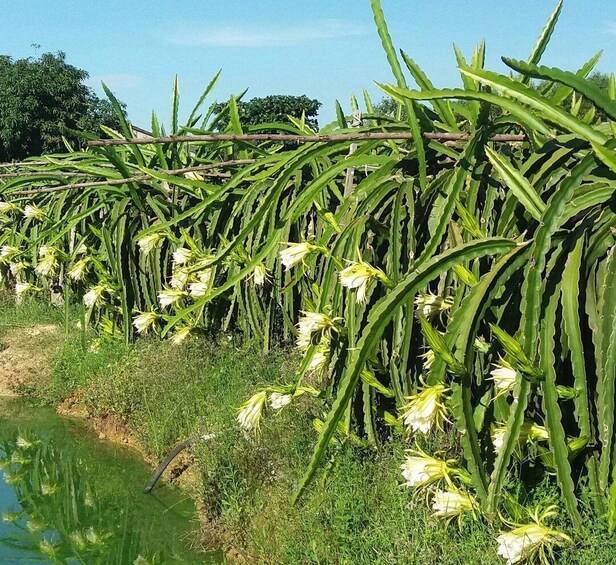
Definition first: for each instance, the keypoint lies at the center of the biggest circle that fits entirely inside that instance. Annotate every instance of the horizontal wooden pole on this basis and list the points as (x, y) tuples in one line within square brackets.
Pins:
[(333, 138)]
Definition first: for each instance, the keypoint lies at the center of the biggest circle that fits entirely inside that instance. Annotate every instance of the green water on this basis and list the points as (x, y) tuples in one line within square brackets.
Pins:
[(66, 497)]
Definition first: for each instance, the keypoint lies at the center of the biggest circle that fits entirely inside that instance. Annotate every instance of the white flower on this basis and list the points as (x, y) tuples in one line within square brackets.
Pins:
[(259, 275), (94, 297), (524, 542), (181, 256), (198, 289), (249, 414), (420, 470), (180, 279), (10, 517), (78, 271), (48, 265), (319, 363), (34, 212), (45, 250), (278, 400), (149, 242), (426, 409), (23, 443), (170, 296), (22, 288), (295, 253), (528, 432), (504, 376), (48, 489), (145, 321), (6, 207), (357, 276), (311, 323), (17, 268), (180, 335), (7, 252), (429, 305), (48, 548), (452, 503), (205, 276)]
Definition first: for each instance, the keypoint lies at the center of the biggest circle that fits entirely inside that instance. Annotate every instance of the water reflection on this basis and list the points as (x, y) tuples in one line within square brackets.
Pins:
[(67, 499)]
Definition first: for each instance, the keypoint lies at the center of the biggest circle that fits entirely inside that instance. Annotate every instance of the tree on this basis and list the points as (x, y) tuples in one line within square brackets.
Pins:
[(43, 99), (275, 108)]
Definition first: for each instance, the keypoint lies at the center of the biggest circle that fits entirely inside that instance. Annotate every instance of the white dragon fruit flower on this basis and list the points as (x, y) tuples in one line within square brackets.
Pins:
[(529, 432), (311, 323), (149, 242), (78, 271), (259, 275), (249, 414), (319, 363), (357, 276), (426, 409), (198, 289), (8, 207), (170, 297), (22, 288), (48, 265), (17, 268), (452, 503), (31, 211), (421, 470), (504, 376), (180, 279), (145, 321), (7, 252), (278, 400), (181, 256), (180, 335), (295, 253), (430, 305), (95, 296), (529, 542)]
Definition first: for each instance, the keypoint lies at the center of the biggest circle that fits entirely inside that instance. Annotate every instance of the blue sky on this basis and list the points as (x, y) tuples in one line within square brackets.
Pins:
[(325, 49)]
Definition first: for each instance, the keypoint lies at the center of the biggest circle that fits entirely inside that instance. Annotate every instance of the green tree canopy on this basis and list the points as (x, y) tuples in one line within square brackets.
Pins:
[(43, 99), (275, 108)]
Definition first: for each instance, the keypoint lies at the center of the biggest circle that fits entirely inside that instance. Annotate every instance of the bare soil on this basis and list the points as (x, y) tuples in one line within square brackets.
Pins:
[(25, 357)]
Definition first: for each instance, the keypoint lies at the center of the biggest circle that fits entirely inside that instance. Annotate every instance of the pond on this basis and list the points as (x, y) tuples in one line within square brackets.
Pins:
[(66, 497)]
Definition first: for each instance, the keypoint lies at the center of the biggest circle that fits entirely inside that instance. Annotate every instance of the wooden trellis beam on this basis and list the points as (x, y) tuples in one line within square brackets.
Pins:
[(333, 138)]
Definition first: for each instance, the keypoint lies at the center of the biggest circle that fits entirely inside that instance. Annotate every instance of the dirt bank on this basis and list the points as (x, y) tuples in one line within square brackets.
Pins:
[(26, 357)]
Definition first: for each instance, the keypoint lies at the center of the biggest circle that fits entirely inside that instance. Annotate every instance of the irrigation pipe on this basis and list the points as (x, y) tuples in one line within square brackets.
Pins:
[(174, 453)]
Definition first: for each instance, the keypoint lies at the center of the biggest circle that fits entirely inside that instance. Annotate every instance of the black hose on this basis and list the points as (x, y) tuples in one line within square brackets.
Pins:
[(174, 453)]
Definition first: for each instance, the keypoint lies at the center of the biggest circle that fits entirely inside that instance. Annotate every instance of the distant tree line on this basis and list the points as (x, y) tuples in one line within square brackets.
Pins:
[(274, 109), (43, 100)]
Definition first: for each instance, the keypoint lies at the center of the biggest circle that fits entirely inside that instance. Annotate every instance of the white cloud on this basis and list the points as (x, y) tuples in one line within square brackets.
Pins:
[(265, 36), (116, 81)]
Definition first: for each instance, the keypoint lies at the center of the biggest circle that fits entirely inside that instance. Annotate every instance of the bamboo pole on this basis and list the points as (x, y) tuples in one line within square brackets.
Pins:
[(333, 138)]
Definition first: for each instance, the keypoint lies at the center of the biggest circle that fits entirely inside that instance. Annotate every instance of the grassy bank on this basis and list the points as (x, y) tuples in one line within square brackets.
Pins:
[(356, 512)]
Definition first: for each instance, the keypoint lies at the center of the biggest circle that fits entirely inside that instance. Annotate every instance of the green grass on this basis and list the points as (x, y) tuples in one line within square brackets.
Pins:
[(355, 513)]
